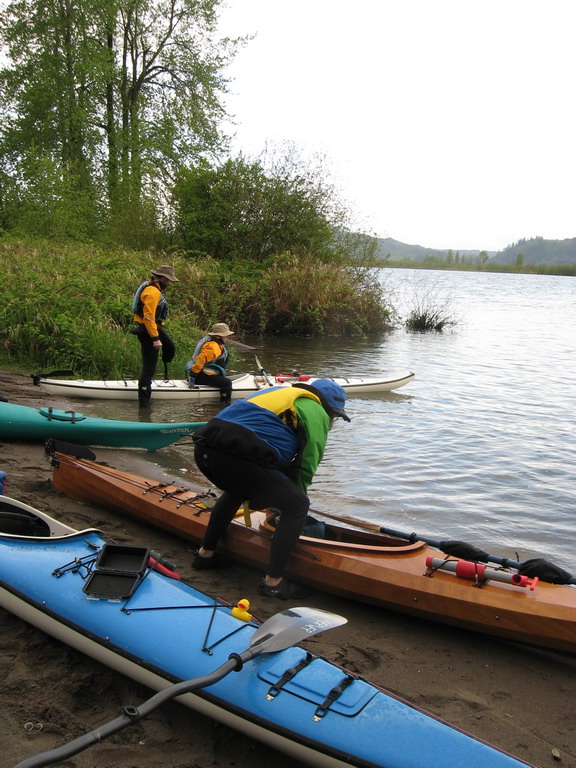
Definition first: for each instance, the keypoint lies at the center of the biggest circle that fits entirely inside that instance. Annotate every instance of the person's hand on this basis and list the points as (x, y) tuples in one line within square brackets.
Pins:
[(191, 382), (157, 344)]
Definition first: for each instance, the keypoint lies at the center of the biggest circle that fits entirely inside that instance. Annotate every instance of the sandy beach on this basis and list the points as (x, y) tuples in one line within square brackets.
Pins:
[(516, 698)]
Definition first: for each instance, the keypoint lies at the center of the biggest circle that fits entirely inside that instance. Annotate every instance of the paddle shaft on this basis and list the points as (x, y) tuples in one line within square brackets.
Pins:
[(411, 537), (247, 517), (505, 562), (132, 715), (279, 632), (263, 372), (239, 344)]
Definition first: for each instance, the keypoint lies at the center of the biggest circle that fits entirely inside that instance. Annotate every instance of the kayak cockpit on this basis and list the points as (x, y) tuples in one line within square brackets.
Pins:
[(325, 534), (18, 519)]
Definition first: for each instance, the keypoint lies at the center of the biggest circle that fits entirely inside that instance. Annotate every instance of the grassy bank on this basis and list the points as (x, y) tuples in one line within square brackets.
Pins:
[(561, 270), (68, 305)]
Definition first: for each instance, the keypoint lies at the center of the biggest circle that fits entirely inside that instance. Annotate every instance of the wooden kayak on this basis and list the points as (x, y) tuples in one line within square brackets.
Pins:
[(108, 601), (20, 422), (177, 389), (381, 570)]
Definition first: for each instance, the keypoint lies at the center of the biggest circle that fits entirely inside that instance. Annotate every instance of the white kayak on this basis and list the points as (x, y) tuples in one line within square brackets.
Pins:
[(242, 385)]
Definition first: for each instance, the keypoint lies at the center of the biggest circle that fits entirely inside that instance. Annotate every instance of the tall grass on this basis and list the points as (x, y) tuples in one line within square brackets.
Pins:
[(68, 306), (429, 308)]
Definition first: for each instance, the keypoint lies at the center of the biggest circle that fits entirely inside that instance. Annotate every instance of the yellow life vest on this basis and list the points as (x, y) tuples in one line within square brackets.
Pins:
[(280, 400)]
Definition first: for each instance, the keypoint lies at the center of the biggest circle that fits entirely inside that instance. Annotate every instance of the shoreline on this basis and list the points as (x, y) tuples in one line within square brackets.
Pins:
[(517, 699)]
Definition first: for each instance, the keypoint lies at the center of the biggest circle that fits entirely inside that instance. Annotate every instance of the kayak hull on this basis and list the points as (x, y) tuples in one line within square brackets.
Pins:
[(242, 386), (20, 422), (384, 571), (167, 631)]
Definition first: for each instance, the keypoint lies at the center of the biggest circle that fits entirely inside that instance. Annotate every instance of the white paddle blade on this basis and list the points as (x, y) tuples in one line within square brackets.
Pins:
[(292, 626)]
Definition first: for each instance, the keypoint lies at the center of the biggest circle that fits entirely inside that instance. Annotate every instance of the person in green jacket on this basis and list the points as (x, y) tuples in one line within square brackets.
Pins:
[(266, 449)]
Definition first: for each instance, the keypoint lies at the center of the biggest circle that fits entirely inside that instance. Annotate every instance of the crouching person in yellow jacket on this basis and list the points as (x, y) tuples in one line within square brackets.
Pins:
[(209, 361), (266, 449)]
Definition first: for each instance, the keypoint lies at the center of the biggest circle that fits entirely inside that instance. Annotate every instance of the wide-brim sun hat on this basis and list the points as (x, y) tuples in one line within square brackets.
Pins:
[(220, 329), (166, 271), (331, 394)]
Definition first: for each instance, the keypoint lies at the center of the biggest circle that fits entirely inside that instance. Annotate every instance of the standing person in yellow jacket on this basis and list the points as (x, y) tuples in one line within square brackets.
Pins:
[(265, 450), (150, 312), (209, 361)]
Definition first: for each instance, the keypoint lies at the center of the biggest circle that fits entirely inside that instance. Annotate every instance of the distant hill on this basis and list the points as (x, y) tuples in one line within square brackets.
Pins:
[(536, 251), (394, 250)]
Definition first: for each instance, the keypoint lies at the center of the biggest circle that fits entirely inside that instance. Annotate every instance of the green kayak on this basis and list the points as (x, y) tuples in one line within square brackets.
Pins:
[(19, 422)]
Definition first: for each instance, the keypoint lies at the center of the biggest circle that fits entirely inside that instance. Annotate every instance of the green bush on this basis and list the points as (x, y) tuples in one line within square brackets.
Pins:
[(243, 210)]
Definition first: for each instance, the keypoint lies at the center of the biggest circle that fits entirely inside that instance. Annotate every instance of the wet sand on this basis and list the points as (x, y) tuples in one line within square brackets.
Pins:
[(516, 698)]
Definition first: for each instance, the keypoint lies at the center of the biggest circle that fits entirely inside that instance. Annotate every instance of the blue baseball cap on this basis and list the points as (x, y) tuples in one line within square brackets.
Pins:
[(332, 395)]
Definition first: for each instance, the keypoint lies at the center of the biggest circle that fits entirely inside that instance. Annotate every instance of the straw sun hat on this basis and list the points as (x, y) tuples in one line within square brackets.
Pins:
[(220, 329)]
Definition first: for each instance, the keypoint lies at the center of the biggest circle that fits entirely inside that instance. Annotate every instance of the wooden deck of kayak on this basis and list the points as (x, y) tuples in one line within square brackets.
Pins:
[(369, 567)]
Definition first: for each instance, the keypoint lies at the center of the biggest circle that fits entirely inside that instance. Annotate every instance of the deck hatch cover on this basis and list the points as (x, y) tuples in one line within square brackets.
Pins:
[(315, 681)]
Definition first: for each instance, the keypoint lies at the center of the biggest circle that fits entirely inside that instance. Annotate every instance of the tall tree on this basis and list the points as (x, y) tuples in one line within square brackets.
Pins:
[(117, 94), (169, 82)]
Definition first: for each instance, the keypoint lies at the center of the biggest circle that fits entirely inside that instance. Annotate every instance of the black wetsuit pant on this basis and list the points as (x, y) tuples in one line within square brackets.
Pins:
[(242, 480), (150, 359), (216, 380)]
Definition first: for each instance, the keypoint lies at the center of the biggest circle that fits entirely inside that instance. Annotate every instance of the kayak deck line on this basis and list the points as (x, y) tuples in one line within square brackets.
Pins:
[(88, 567)]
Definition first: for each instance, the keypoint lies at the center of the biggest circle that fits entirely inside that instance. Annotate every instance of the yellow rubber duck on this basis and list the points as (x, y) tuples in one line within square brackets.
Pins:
[(240, 611)]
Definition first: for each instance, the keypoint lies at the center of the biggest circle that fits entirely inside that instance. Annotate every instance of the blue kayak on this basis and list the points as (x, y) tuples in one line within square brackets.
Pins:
[(20, 422), (107, 601)]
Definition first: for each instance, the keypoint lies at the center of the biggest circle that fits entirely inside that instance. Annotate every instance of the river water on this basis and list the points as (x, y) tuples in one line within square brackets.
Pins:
[(479, 446)]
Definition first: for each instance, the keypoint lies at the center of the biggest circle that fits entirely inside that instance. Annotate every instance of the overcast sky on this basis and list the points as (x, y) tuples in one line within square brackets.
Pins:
[(446, 123)]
